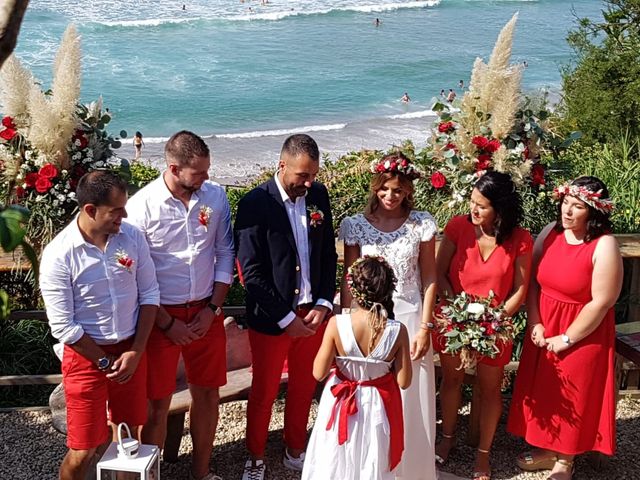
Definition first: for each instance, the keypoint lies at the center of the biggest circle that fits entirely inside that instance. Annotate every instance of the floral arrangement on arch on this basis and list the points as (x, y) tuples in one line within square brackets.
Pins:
[(473, 327), (49, 140), (492, 129)]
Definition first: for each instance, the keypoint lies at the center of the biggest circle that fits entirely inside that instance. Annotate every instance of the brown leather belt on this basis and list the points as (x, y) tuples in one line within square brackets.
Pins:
[(196, 303)]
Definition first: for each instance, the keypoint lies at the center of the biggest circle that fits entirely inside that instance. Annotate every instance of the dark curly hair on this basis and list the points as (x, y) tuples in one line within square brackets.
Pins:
[(374, 280), (598, 223), (500, 190)]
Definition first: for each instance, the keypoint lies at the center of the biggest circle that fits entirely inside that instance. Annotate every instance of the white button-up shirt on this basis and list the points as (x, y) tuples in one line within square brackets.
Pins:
[(297, 213), (189, 256), (86, 290)]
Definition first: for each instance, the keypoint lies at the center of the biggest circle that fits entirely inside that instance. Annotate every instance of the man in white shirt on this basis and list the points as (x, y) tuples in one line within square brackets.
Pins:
[(187, 222), (100, 291)]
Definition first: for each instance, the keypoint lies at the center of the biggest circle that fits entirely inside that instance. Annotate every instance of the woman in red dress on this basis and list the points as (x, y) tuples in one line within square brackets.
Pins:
[(482, 252), (564, 397)]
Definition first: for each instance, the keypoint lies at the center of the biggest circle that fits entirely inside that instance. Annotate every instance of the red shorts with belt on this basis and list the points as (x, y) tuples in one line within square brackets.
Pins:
[(205, 359), (92, 399)]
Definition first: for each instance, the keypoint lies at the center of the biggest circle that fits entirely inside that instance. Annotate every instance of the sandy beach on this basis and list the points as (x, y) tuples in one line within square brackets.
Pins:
[(235, 157)]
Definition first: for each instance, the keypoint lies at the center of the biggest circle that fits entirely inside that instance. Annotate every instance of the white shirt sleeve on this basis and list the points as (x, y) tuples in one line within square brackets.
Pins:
[(225, 254), (57, 291), (148, 290), (284, 323)]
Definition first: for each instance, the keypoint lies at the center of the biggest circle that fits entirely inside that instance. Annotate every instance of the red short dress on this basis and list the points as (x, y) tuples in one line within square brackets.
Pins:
[(470, 273), (565, 401)]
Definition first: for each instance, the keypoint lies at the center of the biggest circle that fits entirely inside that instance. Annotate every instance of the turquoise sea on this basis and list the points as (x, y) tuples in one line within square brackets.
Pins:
[(243, 73)]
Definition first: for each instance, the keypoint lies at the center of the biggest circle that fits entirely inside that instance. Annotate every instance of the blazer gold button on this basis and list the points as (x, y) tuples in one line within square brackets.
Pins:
[(296, 291), (297, 268)]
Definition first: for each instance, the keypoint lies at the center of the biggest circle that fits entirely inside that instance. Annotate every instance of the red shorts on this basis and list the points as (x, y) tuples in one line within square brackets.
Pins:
[(439, 342), (205, 359), (92, 398)]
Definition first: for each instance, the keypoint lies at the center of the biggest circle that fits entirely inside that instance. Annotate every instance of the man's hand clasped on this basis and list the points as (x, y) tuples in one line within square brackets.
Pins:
[(124, 366), (307, 326)]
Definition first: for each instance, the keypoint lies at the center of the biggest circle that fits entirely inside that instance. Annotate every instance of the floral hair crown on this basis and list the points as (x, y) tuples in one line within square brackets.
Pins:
[(593, 199), (398, 164), (361, 297)]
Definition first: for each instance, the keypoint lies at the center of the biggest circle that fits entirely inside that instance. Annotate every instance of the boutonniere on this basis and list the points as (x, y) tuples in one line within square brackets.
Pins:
[(123, 260), (316, 216), (204, 216)]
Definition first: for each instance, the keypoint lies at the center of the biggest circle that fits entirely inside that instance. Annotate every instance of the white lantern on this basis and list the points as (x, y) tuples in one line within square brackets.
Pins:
[(130, 456)]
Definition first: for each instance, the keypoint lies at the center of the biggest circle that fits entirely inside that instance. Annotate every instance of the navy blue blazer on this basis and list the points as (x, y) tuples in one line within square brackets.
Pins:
[(268, 259)]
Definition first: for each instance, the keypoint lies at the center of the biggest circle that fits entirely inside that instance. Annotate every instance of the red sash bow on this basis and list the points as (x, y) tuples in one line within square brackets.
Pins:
[(345, 405)]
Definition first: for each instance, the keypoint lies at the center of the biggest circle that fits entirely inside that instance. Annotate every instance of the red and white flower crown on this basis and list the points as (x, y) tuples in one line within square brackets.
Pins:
[(397, 165), (593, 199)]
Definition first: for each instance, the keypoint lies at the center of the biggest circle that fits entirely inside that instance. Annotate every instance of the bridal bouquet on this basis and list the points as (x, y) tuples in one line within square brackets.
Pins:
[(473, 327)]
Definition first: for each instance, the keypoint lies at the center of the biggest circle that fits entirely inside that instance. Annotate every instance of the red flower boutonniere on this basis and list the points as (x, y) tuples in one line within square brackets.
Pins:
[(204, 216), (123, 260), (316, 216)]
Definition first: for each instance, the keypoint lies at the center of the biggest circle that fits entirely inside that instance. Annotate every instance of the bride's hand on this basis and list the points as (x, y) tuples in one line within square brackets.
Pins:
[(420, 344)]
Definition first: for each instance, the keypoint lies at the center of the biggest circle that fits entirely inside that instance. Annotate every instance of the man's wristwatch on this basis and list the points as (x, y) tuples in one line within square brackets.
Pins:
[(215, 309), (566, 339), (104, 363)]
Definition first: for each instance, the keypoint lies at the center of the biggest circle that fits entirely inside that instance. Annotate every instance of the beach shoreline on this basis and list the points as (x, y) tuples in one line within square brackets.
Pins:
[(237, 158)]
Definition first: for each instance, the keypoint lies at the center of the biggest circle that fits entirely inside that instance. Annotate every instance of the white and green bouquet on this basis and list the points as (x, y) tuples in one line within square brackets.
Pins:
[(473, 327)]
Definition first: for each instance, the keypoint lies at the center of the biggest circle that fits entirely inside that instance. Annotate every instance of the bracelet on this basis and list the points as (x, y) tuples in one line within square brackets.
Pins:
[(427, 326), (168, 327)]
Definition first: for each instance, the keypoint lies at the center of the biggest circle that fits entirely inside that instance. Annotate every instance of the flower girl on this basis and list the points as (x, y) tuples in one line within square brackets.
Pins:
[(358, 432)]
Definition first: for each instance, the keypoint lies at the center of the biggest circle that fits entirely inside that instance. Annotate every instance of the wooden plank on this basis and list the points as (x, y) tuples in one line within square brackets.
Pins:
[(11, 380)]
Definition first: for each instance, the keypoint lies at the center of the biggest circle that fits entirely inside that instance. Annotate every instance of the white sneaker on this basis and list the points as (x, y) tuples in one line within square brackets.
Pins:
[(254, 470), (293, 463)]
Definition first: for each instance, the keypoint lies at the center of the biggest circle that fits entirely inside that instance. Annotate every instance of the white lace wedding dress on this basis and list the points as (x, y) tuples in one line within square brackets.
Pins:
[(400, 249)]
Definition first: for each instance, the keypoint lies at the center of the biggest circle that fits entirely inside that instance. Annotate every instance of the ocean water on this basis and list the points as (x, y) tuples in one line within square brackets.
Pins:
[(245, 74)]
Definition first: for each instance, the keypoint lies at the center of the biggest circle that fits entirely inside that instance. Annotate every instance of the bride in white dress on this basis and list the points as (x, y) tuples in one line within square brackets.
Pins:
[(405, 237), (358, 431)]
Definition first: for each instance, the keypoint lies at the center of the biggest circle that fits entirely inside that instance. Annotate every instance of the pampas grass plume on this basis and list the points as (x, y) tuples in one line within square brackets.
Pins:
[(15, 81)]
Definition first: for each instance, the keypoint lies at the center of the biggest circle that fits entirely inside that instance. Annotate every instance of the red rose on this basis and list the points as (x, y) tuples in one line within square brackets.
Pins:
[(404, 163), (19, 191), (525, 154), (8, 134), (380, 168), (438, 180), (480, 142), (484, 162), (79, 135), (446, 127), (393, 166), (492, 146), (43, 185), (451, 146), (48, 171), (537, 174), (31, 179), (7, 122), (316, 216)]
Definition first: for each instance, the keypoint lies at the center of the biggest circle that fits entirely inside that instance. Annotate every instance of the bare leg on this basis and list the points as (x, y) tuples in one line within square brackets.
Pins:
[(76, 463), (155, 430), (450, 397), (203, 418), (490, 382)]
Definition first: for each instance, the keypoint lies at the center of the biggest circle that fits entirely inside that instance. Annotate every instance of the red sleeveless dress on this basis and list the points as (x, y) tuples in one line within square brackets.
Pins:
[(565, 402)]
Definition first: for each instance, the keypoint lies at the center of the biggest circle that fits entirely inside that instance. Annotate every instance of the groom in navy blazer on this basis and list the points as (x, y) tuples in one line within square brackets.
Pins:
[(287, 261)]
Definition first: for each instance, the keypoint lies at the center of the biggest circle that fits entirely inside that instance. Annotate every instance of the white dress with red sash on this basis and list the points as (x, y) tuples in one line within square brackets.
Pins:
[(358, 434)]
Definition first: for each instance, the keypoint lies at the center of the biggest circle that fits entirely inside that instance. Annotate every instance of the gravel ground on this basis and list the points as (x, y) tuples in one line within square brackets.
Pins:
[(31, 449)]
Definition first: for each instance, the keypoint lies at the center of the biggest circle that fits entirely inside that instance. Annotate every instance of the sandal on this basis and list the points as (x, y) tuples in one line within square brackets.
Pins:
[(442, 460), (480, 474), (527, 461), (563, 475)]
